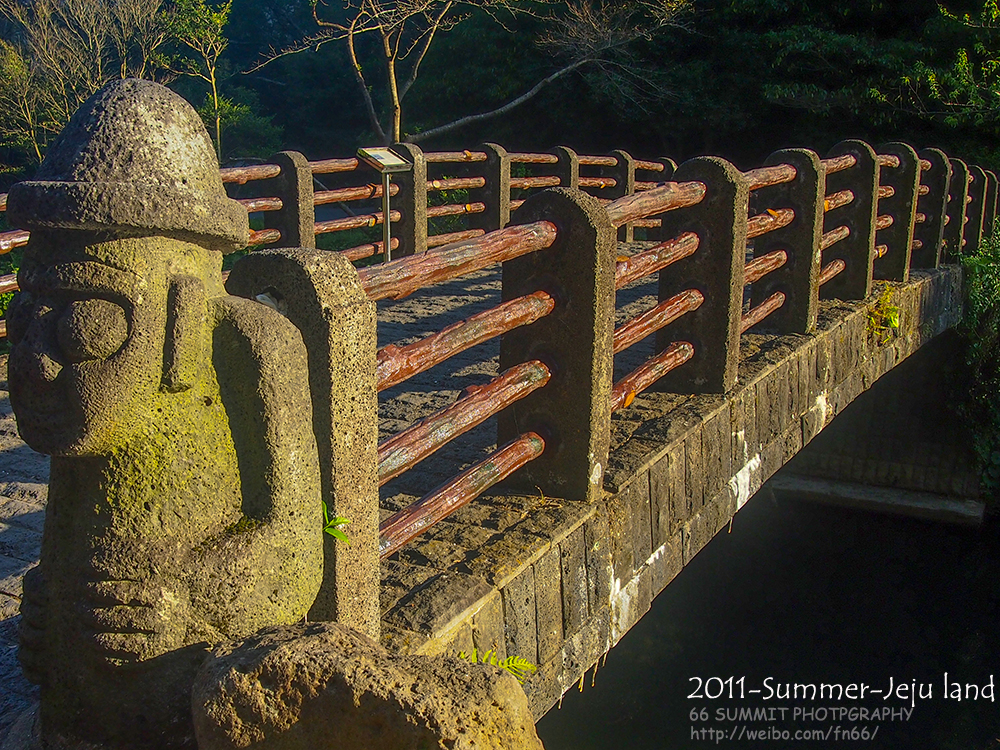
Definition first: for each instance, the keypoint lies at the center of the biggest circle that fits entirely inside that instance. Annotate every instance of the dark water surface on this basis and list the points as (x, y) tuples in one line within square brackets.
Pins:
[(804, 593)]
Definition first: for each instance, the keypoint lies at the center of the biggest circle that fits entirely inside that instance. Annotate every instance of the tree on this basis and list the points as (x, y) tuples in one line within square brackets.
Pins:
[(58, 52), (199, 27), (402, 33)]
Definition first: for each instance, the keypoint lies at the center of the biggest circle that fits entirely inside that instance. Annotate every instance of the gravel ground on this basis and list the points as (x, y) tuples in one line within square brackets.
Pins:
[(24, 473)]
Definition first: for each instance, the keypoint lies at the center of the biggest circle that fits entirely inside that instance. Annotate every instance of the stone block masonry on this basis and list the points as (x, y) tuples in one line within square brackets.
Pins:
[(559, 582)]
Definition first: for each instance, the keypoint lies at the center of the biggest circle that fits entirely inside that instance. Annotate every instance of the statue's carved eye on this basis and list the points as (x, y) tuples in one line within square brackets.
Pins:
[(92, 329), (19, 316)]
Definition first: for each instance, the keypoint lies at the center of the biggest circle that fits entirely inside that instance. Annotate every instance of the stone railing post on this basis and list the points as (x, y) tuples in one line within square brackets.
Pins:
[(411, 229), (321, 294), (990, 212), (934, 206), (669, 167), (623, 174), (798, 278), (496, 193), (294, 186), (568, 168), (716, 270), (904, 180), (977, 209), (573, 411), (857, 250), (954, 228)]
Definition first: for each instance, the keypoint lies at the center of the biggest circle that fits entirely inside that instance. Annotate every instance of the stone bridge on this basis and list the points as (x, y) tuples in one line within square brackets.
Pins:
[(560, 582), (640, 392)]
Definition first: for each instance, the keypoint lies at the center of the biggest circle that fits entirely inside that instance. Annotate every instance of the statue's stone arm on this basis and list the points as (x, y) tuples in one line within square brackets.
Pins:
[(269, 564)]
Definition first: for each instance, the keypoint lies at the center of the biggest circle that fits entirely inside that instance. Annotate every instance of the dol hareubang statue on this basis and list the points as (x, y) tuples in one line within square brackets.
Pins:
[(184, 500)]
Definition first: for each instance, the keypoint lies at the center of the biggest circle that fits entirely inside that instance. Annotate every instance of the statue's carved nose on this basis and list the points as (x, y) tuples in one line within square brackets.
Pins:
[(41, 367), (41, 362)]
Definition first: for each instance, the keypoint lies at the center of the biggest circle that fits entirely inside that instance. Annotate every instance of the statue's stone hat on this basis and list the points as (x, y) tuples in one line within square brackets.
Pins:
[(134, 160)]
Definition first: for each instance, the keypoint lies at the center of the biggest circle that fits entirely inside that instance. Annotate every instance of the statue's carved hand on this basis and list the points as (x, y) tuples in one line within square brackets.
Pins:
[(34, 609), (131, 621)]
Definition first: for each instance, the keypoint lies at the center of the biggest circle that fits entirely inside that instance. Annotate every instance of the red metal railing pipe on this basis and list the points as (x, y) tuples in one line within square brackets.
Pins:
[(243, 175), (261, 204), (654, 259), (399, 363), (521, 158), (263, 237), (535, 182), (758, 268), (405, 450), (839, 163), (667, 197), (652, 370), (441, 157), (410, 522), (650, 166), (366, 251), (834, 236), (332, 166), (757, 314), (455, 209), (830, 270), (767, 176), (10, 240), (437, 240), (598, 161), (836, 200), (665, 313), (769, 221), (456, 183), (357, 193), (354, 222), (399, 278)]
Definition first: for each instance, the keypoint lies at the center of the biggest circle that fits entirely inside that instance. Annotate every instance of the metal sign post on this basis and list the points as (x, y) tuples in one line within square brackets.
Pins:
[(386, 162)]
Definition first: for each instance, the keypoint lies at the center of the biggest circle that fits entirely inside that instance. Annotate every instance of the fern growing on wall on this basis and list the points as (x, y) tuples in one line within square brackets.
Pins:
[(520, 668)]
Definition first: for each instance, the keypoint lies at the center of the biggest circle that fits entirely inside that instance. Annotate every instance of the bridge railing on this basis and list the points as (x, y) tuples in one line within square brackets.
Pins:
[(734, 252)]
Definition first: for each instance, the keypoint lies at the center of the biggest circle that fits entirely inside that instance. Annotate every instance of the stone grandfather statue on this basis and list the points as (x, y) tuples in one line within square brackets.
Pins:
[(184, 501), (193, 435)]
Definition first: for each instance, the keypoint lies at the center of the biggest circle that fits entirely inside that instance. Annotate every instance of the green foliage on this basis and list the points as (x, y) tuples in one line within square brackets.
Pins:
[(332, 525), (883, 318), (520, 668), (980, 329)]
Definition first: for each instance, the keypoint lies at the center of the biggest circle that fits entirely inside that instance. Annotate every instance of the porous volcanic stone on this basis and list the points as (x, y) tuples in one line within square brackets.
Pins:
[(307, 686)]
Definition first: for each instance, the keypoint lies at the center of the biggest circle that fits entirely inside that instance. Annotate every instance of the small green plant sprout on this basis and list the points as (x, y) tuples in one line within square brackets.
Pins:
[(520, 668), (883, 318), (332, 525)]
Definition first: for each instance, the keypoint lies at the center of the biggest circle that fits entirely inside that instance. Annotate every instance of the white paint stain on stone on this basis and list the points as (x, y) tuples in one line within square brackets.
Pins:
[(824, 408), (596, 474), (741, 485)]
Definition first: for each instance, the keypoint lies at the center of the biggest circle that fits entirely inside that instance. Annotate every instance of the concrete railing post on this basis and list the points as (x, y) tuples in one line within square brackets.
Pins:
[(669, 167), (990, 212), (954, 229), (977, 209), (716, 270), (573, 411), (411, 229), (798, 278), (623, 174), (934, 207), (857, 250), (294, 186), (496, 193), (568, 168), (321, 294), (904, 180)]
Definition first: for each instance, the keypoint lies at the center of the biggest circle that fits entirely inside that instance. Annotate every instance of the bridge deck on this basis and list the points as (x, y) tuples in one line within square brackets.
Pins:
[(554, 581)]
